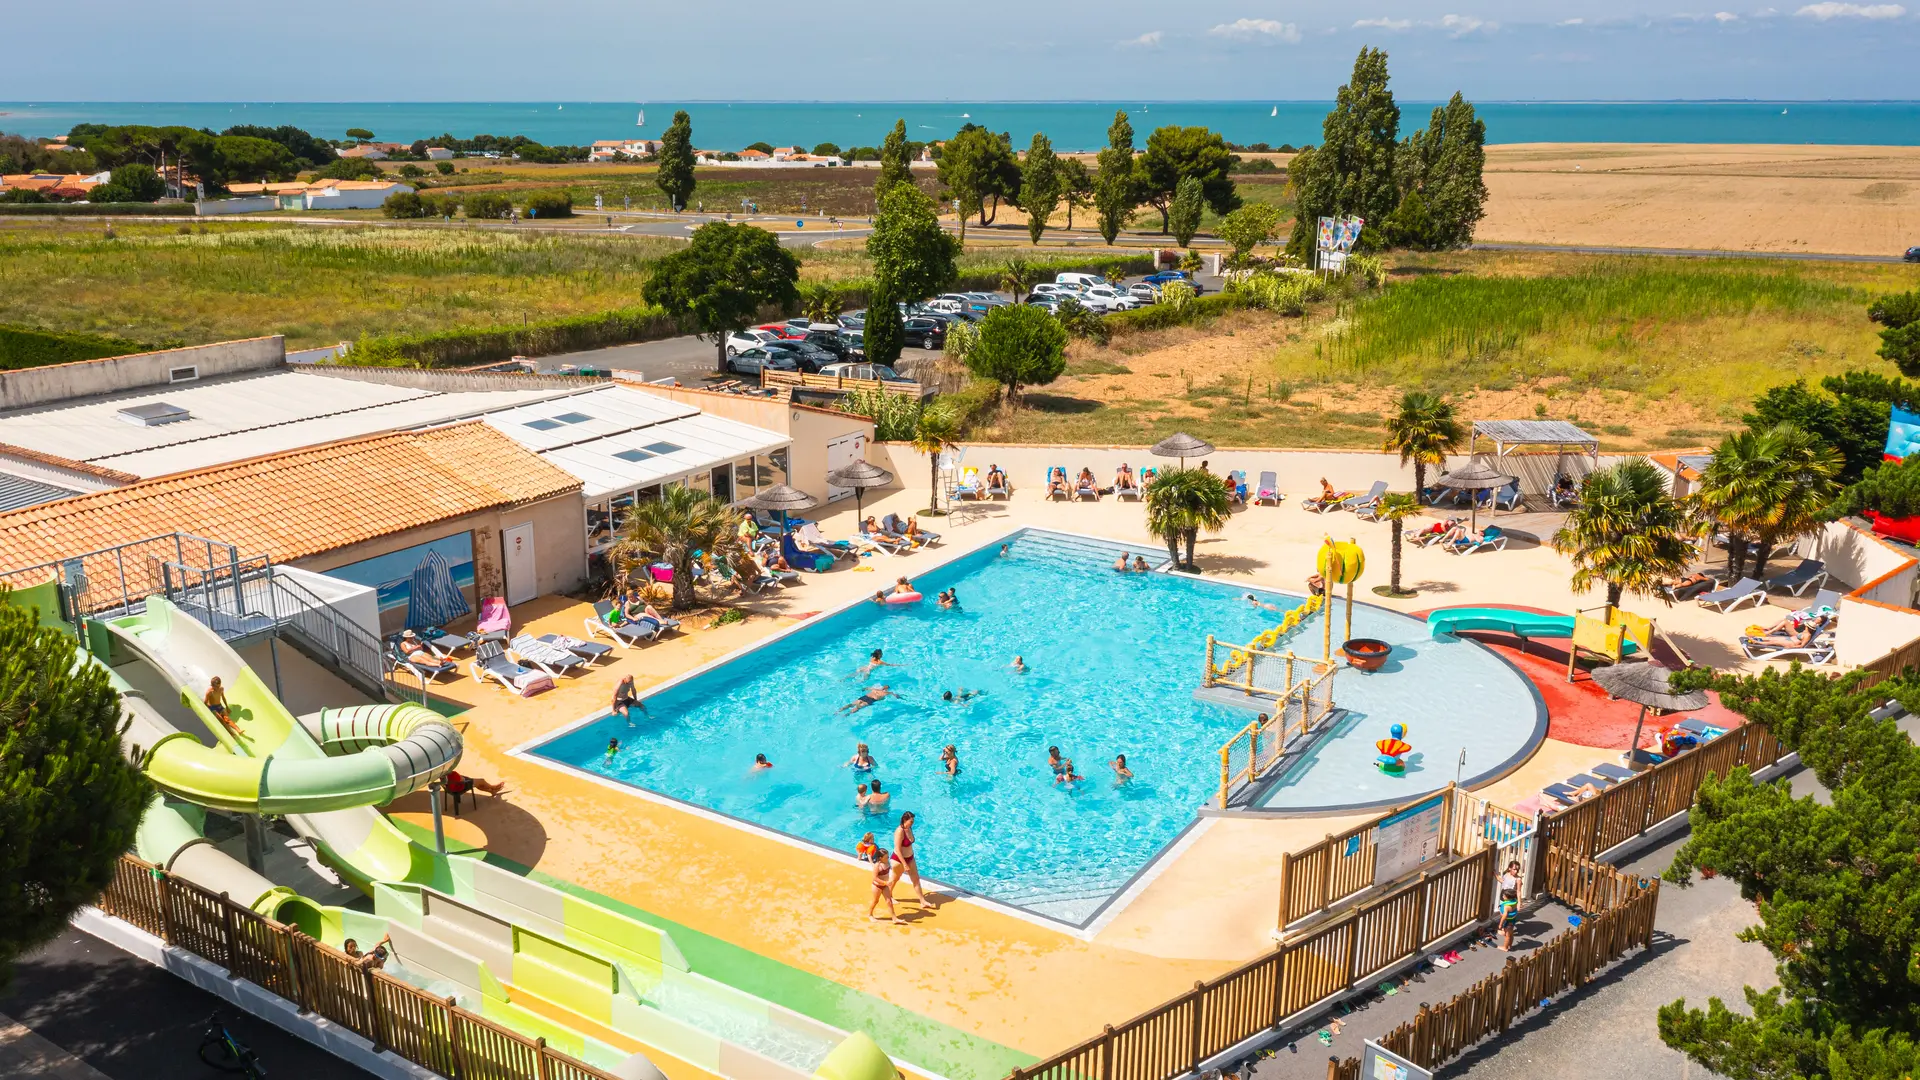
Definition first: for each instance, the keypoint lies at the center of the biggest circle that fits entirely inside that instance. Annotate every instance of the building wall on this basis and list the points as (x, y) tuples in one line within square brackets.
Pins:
[(352, 199), (85, 378), (247, 204), (1870, 630), (359, 604), (810, 428), (1878, 616)]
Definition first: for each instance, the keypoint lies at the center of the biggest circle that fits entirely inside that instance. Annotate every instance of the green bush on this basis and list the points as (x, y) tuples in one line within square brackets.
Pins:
[(553, 204), (439, 206), (488, 207), (489, 344), (403, 204), (894, 416), (24, 347), (348, 168), (444, 168), (21, 195), (1161, 316), (59, 209), (973, 404)]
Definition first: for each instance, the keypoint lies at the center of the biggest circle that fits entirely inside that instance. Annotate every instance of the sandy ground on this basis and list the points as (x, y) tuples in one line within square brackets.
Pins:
[(1837, 199)]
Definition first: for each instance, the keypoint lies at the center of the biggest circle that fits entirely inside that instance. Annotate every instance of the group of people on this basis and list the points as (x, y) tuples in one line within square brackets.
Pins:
[(910, 533), (891, 868), (1137, 566), (1062, 768)]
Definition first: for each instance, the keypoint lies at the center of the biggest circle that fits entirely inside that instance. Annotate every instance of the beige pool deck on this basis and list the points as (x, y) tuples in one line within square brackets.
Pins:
[(1029, 985)]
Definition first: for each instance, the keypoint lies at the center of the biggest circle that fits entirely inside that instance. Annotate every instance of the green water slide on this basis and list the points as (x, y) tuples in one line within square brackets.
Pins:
[(1521, 624)]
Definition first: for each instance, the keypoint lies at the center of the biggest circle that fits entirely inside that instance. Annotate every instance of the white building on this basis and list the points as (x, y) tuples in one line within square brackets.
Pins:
[(439, 153)]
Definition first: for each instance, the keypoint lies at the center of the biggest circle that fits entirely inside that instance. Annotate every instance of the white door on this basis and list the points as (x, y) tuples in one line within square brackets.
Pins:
[(516, 553), (841, 453)]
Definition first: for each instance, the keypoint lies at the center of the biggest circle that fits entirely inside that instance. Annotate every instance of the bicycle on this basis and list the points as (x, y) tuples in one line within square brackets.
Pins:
[(221, 1050)]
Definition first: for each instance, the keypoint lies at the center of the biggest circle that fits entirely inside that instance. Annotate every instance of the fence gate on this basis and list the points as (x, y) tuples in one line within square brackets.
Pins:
[(1513, 836)]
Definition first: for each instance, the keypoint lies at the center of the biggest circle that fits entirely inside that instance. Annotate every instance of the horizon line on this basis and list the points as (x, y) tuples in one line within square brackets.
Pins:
[(973, 101)]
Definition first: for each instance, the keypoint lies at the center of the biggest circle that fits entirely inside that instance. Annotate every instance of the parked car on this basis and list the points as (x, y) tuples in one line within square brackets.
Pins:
[(925, 333), (1165, 276), (785, 331), (853, 320), (832, 339), (806, 357), (992, 300), (1913, 254), (1144, 292), (1049, 303), (1057, 289), (764, 358), (864, 371), (1087, 280), (1106, 298), (749, 339), (856, 345)]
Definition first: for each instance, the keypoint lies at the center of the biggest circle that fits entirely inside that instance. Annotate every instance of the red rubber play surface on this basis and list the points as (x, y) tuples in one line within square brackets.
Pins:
[(1580, 712)]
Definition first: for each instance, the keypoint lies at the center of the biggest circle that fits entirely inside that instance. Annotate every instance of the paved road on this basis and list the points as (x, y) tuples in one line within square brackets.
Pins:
[(1803, 256), (130, 1020)]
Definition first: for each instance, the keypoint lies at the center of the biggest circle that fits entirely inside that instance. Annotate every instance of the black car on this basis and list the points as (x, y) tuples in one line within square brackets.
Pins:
[(925, 333), (805, 355), (1913, 254), (830, 340)]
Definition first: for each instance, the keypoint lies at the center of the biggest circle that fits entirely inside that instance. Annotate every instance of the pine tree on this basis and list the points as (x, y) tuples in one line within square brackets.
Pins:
[(1115, 188), (1076, 185), (675, 177), (912, 255), (1351, 171), (896, 162), (884, 334), (1183, 217), (1443, 165), (1039, 185)]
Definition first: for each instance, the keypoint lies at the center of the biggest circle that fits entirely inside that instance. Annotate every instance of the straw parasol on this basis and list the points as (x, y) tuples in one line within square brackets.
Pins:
[(1477, 476), (859, 476), (782, 498), (1183, 446), (1646, 684)]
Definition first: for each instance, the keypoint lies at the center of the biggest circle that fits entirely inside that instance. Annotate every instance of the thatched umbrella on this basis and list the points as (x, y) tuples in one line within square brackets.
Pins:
[(1646, 684), (1183, 446), (1477, 476), (859, 476), (782, 498)]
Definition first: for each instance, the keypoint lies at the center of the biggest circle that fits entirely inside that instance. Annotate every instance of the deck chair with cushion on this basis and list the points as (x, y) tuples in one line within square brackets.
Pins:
[(627, 632), (1819, 648), (1065, 479), (1268, 490), (496, 621), (1337, 501), (812, 539), (813, 560), (1492, 538), (589, 651), (1796, 582), (1124, 488), (997, 491), (1368, 503), (427, 671), (490, 663), (1745, 591), (1086, 489), (1509, 497), (533, 652), (896, 525), (1613, 772), (968, 486)]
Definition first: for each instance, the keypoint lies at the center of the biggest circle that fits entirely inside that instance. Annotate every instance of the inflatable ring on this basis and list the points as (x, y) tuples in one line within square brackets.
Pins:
[(903, 598)]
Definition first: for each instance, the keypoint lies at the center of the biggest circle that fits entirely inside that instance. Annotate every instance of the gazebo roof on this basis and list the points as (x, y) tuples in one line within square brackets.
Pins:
[(1507, 434)]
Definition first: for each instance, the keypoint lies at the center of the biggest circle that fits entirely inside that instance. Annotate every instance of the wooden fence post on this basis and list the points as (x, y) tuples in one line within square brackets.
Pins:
[(1286, 886), (1198, 1022), (1326, 873), (1106, 1054), (232, 938), (1420, 907), (166, 906), (1353, 947), (1446, 823), (454, 1049), (378, 1029), (540, 1057)]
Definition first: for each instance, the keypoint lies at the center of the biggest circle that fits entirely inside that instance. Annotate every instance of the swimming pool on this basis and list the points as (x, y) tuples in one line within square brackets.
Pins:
[(1112, 664)]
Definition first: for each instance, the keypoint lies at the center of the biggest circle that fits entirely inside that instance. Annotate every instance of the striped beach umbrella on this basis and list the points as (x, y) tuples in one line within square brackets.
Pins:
[(432, 597)]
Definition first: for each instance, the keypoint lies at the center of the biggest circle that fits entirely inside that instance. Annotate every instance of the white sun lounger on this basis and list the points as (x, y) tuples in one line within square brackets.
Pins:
[(1268, 490), (533, 652), (490, 663), (1746, 590), (628, 634)]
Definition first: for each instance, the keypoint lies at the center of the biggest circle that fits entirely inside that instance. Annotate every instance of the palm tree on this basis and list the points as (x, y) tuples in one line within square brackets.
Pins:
[(1627, 532), (1180, 503), (1397, 508), (1017, 275), (821, 303), (673, 527), (1423, 430), (934, 433), (1767, 486)]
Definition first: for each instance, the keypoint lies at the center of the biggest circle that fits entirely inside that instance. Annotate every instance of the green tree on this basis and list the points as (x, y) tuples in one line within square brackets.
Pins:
[(1443, 165), (403, 204), (549, 205), (444, 168), (70, 801), (1039, 186), (885, 333), (306, 149), (1851, 415), (1767, 486), (1351, 171), (822, 303), (978, 168), (913, 257), (140, 183), (763, 147), (1900, 341), (1249, 227), (723, 278), (1180, 153), (1834, 880), (250, 160), (1076, 186), (1188, 205), (1423, 430), (1627, 533), (1019, 346), (487, 206), (1892, 489), (671, 528), (1181, 503), (934, 432), (1412, 225), (1115, 188), (1397, 508), (826, 149), (361, 134), (896, 161), (347, 168), (1017, 275), (674, 162)]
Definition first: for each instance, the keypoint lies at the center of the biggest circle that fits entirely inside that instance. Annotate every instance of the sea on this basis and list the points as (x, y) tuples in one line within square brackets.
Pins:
[(1072, 125)]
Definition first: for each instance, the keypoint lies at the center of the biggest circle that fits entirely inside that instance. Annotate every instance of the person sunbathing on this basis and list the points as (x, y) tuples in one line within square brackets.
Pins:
[(1459, 534), (1691, 586), (1086, 479), (914, 535), (996, 478), (1057, 482), (1123, 479), (1790, 633)]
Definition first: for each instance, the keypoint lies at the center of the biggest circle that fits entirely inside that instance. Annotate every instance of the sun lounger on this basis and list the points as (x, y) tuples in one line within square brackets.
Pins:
[(895, 525), (625, 632), (1560, 793), (1237, 487), (887, 542), (1797, 581), (811, 539), (1688, 592), (1614, 773), (1828, 599), (812, 560), (1086, 489), (496, 621), (490, 663), (968, 486), (589, 651), (1509, 497), (442, 644), (1578, 780), (424, 671), (533, 652), (1744, 591), (1492, 538), (1126, 489), (1000, 491), (1819, 650), (1326, 506), (1694, 725), (1370, 502), (1065, 479), (1268, 490)]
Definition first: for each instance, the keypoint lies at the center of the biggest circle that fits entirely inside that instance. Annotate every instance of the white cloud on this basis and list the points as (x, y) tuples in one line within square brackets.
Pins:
[(1148, 40), (1571, 22), (1461, 25), (1265, 31), (1830, 9), (1383, 24), (1725, 17), (1766, 13)]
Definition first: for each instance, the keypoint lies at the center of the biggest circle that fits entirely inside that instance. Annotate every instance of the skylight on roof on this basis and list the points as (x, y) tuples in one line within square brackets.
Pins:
[(543, 425), (573, 418), (664, 447), (633, 455), (154, 414)]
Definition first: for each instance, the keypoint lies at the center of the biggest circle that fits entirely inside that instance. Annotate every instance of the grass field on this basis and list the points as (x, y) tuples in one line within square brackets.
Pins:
[(844, 191), (1646, 353)]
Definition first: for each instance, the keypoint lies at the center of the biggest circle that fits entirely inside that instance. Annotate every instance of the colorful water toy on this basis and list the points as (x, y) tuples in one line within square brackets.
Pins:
[(1392, 750), (1270, 639)]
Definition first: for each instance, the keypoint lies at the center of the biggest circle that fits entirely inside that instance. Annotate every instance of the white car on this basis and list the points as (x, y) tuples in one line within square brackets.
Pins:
[(1084, 280), (1057, 290), (1145, 292), (1106, 298), (740, 342), (864, 371)]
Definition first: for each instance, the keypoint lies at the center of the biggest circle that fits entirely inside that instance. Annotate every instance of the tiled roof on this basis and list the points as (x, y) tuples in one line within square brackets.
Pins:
[(292, 505)]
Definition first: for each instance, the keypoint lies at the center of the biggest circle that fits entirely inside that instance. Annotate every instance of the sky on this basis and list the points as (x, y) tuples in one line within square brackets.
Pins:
[(985, 50)]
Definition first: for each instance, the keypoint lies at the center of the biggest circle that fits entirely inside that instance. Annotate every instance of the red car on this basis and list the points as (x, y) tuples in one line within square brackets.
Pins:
[(786, 331)]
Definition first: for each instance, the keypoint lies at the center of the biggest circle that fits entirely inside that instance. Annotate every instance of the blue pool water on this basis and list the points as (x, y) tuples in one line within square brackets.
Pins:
[(1113, 661)]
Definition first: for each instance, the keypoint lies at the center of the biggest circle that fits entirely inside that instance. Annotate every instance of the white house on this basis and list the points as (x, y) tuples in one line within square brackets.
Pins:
[(609, 149), (439, 153), (352, 194)]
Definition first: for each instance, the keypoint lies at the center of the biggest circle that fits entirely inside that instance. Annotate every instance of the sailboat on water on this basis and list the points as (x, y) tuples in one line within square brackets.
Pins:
[(1275, 112), (642, 122)]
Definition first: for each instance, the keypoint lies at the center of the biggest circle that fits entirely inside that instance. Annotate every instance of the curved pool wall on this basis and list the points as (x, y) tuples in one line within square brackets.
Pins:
[(1112, 665)]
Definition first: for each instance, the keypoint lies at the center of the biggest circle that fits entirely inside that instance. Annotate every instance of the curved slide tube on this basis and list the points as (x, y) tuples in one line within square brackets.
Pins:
[(1523, 624)]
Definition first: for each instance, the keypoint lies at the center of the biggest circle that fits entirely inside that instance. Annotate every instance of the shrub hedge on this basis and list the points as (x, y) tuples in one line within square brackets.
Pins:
[(487, 344), (24, 347), (93, 210), (1161, 316)]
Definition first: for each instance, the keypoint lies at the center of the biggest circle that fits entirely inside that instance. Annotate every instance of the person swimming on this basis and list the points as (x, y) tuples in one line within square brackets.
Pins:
[(1140, 564), (1256, 602), (950, 760), (1066, 775), (1019, 664), (613, 747), (873, 661), (760, 762), (1054, 760), (879, 598), (877, 800), (1120, 564), (902, 587), (860, 800), (1004, 548), (862, 759), (962, 694), (866, 850), (873, 696), (1121, 774), (950, 599)]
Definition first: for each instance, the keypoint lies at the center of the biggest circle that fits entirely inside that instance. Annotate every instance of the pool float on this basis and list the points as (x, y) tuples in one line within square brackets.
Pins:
[(1270, 639), (1392, 750), (903, 598)]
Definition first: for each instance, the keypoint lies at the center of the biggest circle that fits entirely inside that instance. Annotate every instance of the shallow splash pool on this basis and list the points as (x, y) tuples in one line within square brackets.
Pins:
[(1112, 664)]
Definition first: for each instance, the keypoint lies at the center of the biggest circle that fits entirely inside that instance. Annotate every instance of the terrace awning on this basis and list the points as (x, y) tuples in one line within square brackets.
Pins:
[(1511, 435)]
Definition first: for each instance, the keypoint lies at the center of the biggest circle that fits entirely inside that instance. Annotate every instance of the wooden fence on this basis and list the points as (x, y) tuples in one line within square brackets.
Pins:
[(393, 1015), (798, 380), (1173, 1039), (1633, 806), (1891, 663), (1297, 710)]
